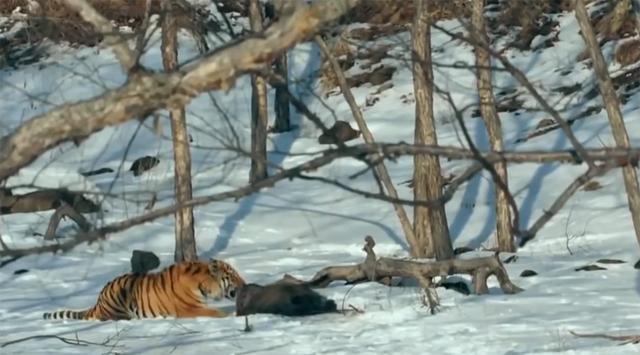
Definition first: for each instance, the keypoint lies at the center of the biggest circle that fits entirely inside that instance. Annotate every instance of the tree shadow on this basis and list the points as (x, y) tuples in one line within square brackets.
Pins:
[(386, 229), (471, 193), (282, 143)]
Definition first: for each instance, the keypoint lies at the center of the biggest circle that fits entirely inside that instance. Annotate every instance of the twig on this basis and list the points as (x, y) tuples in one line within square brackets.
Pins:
[(626, 339), (70, 341), (344, 299), (356, 309), (560, 201)]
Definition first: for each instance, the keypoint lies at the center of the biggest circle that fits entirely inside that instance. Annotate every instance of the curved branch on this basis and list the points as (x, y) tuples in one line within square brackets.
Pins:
[(145, 92)]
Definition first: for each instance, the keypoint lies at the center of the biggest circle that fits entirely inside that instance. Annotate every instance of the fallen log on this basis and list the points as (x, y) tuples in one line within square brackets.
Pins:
[(44, 200), (384, 269)]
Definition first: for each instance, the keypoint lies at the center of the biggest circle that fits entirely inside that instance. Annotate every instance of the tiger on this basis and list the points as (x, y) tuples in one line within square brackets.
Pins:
[(180, 291)]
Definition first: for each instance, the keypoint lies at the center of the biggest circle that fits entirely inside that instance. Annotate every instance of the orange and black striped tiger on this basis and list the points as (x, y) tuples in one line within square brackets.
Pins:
[(180, 290)]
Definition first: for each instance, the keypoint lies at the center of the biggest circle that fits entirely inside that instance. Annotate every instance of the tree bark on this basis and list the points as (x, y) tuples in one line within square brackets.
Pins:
[(612, 105), (283, 121), (185, 249), (259, 113), (379, 170), (494, 128), (430, 223)]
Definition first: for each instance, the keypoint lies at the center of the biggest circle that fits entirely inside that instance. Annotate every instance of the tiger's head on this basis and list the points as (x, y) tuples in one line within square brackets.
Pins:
[(228, 278)]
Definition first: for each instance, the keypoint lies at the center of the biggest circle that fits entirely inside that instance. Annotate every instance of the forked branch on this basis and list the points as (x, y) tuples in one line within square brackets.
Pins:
[(383, 269)]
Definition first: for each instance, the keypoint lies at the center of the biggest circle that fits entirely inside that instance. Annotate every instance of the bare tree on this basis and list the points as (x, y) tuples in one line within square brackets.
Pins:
[(185, 239), (612, 105), (492, 123), (259, 113), (429, 223)]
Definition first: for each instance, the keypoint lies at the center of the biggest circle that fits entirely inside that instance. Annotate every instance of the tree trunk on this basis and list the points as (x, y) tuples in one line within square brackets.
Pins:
[(259, 113), (282, 122), (494, 129), (185, 239), (612, 106), (429, 223)]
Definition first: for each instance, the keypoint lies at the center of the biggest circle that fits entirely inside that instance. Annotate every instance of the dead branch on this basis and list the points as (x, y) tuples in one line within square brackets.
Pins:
[(380, 171), (560, 201), (65, 210), (70, 341), (145, 92), (625, 339), (376, 269)]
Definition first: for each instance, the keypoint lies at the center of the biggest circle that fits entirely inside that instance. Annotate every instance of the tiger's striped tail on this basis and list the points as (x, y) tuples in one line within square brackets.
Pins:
[(66, 314)]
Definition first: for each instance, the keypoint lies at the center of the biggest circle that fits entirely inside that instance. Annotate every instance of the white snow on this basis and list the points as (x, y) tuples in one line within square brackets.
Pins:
[(298, 227)]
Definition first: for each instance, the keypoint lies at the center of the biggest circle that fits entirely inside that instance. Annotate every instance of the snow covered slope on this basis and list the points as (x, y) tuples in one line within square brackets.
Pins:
[(298, 227)]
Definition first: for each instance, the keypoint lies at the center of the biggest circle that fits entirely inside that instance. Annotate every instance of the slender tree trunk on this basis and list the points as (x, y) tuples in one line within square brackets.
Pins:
[(494, 128), (429, 223), (259, 113), (612, 105), (379, 170), (282, 122), (185, 239)]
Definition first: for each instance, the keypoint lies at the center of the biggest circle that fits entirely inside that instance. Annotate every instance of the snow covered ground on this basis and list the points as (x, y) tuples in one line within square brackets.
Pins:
[(298, 227)]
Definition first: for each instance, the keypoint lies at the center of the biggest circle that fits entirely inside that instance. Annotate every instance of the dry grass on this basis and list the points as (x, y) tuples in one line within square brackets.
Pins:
[(397, 12), (614, 22), (377, 76)]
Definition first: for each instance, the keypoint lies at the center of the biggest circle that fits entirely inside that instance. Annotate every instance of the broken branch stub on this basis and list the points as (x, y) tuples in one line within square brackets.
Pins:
[(66, 210)]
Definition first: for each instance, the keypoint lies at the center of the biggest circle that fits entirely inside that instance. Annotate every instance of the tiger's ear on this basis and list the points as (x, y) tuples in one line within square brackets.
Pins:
[(214, 266)]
